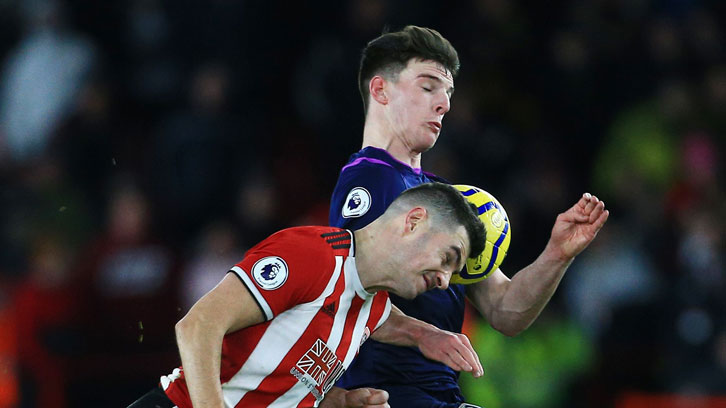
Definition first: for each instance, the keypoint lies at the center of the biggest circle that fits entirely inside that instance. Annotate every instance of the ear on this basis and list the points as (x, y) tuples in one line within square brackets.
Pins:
[(415, 219), (376, 87)]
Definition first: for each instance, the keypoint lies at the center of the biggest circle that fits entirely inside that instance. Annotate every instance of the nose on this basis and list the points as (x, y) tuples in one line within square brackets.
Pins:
[(442, 280), (443, 104)]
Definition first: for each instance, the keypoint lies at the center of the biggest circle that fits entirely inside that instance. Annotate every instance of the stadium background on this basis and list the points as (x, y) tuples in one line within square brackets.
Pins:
[(145, 144)]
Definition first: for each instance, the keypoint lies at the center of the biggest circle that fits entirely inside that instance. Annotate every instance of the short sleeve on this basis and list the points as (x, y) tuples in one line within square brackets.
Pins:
[(286, 269), (363, 193)]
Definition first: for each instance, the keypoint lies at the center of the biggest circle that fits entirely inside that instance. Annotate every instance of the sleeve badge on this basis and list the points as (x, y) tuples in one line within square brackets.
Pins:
[(357, 203), (270, 272)]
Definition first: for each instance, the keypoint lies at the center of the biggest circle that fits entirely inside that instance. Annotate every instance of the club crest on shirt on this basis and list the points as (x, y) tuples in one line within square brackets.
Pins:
[(318, 369), (357, 203), (270, 272)]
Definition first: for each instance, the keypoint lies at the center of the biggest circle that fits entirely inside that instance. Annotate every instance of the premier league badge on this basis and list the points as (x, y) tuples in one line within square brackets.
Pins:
[(270, 272), (357, 203)]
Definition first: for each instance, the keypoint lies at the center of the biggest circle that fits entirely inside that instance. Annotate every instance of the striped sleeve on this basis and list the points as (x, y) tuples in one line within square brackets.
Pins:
[(289, 268)]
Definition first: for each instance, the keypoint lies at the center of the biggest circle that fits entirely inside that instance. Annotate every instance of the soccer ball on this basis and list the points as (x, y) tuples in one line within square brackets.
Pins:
[(499, 234)]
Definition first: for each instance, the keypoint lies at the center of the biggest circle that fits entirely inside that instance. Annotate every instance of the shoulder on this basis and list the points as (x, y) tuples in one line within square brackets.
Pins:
[(434, 177), (370, 162), (370, 170), (362, 194), (300, 242), (293, 266), (366, 186)]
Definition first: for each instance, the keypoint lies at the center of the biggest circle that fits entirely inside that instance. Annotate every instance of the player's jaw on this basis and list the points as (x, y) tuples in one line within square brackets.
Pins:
[(429, 134)]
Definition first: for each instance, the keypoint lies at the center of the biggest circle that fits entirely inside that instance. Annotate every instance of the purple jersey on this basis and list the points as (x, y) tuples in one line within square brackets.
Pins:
[(367, 185)]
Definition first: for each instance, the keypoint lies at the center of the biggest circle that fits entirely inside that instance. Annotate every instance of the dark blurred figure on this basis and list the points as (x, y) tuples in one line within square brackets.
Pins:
[(323, 82), (217, 249), (693, 350), (9, 358), (195, 159), (130, 302), (257, 205), (47, 309), (86, 144)]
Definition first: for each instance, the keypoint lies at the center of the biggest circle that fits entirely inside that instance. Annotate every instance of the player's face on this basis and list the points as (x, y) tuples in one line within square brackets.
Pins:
[(435, 256), (418, 100)]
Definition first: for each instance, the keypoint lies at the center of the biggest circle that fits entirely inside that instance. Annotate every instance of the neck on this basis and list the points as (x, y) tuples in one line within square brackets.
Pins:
[(375, 136), (369, 254)]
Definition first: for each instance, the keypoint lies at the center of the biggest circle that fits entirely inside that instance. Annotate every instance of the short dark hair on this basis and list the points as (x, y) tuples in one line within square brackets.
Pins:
[(449, 207), (389, 54)]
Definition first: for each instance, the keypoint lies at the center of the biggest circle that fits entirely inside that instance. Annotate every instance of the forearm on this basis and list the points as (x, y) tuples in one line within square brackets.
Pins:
[(531, 289), (516, 304), (452, 349), (200, 350), (401, 330)]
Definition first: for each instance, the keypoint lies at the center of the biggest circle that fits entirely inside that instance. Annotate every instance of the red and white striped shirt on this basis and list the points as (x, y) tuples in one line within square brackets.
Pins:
[(317, 315)]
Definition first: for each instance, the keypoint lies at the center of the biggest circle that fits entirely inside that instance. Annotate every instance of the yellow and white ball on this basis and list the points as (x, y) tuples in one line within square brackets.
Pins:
[(498, 237)]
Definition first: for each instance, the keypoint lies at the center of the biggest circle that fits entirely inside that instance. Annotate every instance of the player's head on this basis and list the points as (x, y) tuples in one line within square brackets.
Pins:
[(441, 230), (447, 209), (406, 80), (390, 53)]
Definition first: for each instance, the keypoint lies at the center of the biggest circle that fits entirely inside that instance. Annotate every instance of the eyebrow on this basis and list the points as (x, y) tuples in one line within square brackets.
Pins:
[(450, 91)]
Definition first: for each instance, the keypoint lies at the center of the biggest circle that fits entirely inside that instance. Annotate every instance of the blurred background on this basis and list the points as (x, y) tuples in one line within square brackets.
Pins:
[(146, 144)]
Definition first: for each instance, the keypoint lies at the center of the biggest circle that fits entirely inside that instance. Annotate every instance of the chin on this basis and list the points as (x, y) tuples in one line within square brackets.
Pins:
[(431, 144)]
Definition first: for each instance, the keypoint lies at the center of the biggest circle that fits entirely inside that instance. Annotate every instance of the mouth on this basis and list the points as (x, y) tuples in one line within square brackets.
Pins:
[(434, 126)]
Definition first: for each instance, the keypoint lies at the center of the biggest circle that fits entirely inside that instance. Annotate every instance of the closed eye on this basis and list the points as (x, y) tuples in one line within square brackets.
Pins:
[(446, 261)]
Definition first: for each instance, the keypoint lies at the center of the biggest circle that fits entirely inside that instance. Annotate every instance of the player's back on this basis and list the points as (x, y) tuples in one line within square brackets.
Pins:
[(367, 185)]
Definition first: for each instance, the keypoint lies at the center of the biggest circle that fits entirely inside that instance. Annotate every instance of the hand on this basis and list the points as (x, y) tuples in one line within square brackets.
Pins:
[(452, 349), (357, 398), (577, 227)]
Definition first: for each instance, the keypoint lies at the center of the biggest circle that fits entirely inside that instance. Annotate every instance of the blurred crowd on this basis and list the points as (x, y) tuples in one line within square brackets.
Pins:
[(146, 144)]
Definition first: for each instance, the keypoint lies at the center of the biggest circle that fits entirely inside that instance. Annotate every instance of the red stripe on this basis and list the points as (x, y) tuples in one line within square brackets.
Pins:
[(350, 319), (377, 309), (276, 384), (237, 347)]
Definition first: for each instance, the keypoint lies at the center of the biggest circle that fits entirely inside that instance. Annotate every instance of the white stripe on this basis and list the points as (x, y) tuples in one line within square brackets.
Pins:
[(256, 293), (386, 313), (299, 391), (360, 323), (281, 335), (351, 252)]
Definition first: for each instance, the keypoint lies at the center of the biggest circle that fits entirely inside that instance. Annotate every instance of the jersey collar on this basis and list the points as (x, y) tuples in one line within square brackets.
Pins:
[(383, 155)]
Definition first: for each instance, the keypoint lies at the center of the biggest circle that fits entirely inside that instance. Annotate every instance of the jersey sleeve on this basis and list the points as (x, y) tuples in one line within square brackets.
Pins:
[(285, 270), (363, 193), (385, 314)]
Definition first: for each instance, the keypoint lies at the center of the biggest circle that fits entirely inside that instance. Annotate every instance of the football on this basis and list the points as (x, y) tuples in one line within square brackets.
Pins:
[(499, 234)]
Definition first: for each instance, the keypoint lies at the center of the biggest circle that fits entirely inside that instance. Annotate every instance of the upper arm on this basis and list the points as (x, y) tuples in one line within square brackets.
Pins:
[(228, 307), (487, 295)]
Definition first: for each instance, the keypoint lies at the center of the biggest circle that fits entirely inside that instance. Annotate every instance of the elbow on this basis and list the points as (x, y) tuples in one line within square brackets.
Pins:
[(181, 330), (509, 327), (508, 331), (186, 328)]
